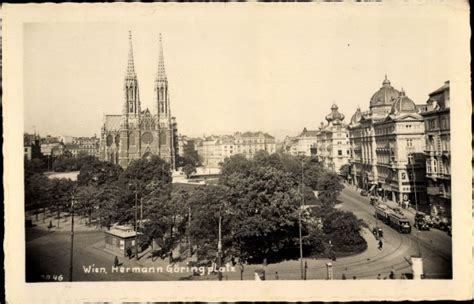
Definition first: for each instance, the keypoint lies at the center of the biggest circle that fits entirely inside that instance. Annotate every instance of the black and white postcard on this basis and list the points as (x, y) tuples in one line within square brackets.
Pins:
[(314, 151)]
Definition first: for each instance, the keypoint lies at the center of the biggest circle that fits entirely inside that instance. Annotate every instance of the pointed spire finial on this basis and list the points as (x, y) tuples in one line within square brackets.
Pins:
[(161, 75), (386, 81), (130, 64)]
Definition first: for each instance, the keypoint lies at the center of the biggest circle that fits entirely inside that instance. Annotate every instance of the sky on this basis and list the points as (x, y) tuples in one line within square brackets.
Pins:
[(231, 72)]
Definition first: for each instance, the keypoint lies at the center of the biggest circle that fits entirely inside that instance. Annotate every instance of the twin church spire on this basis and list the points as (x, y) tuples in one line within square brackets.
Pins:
[(132, 97)]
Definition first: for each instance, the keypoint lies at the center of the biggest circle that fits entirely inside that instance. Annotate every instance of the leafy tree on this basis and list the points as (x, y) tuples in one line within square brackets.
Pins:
[(86, 198), (345, 170), (189, 169), (329, 187), (115, 205), (142, 174), (343, 229), (264, 207), (236, 163), (206, 205), (97, 173), (61, 192), (35, 165)]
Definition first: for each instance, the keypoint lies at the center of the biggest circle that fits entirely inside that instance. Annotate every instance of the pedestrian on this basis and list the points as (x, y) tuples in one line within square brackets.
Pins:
[(129, 253), (380, 244), (378, 277), (232, 260), (276, 275), (392, 274), (116, 261), (344, 276)]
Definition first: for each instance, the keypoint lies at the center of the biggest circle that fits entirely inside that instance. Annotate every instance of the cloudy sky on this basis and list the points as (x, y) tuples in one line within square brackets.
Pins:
[(270, 71)]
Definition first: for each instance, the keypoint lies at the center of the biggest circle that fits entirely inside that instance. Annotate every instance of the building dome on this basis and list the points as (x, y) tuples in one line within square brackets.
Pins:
[(403, 104), (356, 117), (386, 95), (335, 117)]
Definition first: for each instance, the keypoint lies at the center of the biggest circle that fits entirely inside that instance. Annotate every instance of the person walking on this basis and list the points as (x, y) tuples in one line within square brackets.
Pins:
[(116, 261), (276, 275), (392, 274), (380, 244), (129, 253), (379, 277)]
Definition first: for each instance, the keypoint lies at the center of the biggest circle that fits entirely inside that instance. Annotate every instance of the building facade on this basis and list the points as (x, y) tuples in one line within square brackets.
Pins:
[(438, 151), (333, 141), (214, 149), (386, 147), (138, 133), (303, 144)]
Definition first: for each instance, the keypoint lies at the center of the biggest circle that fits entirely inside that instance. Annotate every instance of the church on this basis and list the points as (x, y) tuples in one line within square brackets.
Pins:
[(138, 133)]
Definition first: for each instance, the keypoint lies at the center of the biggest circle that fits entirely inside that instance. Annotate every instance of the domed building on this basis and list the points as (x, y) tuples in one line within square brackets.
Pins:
[(333, 142), (382, 100), (386, 144)]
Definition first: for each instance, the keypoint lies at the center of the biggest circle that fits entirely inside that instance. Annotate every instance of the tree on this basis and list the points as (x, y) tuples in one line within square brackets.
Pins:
[(115, 204), (97, 173), (189, 169), (141, 174), (87, 202), (61, 191), (329, 186), (206, 205), (264, 206), (345, 171), (343, 230), (235, 163)]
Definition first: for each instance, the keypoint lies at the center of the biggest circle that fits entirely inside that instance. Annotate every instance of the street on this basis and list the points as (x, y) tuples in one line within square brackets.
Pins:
[(435, 245)]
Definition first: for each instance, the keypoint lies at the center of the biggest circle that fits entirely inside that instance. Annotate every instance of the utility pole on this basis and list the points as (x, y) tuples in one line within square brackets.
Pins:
[(72, 240), (136, 222), (299, 218), (411, 160), (219, 249)]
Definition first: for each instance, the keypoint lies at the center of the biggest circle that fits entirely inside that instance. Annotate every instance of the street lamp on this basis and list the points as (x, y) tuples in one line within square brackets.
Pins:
[(299, 220), (219, 248), (136, 220), (72, 239), (411, 161)]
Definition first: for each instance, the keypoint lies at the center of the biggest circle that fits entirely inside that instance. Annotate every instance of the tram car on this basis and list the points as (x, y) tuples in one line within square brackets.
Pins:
[(399, 223), (382, 213), (392, 219)]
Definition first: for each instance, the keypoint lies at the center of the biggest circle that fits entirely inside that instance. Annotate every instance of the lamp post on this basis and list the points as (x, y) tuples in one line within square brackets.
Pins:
[(299, 220), (136, 216), (72, 240), (411, 161), (136, 223), (219, 248)]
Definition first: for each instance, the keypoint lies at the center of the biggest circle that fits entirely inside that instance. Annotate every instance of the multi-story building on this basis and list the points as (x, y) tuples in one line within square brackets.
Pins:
[(31, 146), (438, 151), (87, 145), (249, 143), (303, 144), (214, 149), (387, 147), (135, 133), (333, 141)]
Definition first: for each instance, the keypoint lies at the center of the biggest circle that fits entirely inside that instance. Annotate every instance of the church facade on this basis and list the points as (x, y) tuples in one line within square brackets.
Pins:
[(137, 133)]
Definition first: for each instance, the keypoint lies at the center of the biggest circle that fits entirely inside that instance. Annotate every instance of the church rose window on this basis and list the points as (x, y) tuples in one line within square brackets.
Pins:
[(147, 138)]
